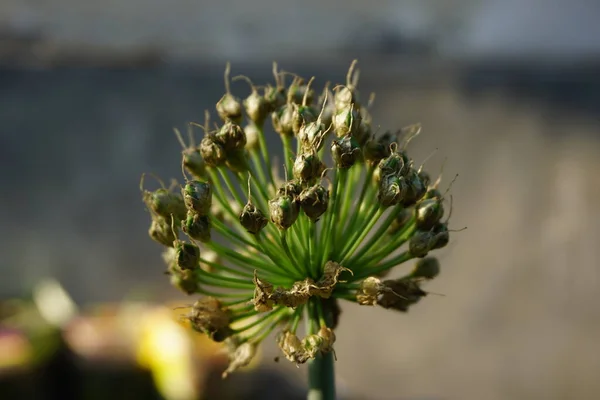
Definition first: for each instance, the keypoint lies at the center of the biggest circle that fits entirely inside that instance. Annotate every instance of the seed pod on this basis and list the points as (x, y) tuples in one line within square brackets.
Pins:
[(187, 255), (283, 120), (377, 149), (185, 281), (252, 219), (314, 201), (283, 211), (274, 97), (160, 231), (347, 94), (416, 189), (252, 134), (194, 163), (442, 235), (209, 317), (401, 295), (345, 152), (197, 197), (256, 107), (346, 121), (240, 357), (301, 116), (212, 152), (392, 190), (401, 221), (396, 163), (428, 213), (197, 227), (311, 136), (427, 268), (433, 193), (229, 107), (231, 136), (422, 242), (425, 178), (308, 167)]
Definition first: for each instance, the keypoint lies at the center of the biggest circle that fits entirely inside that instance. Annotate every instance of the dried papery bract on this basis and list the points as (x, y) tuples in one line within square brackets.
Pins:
[(282, 258)]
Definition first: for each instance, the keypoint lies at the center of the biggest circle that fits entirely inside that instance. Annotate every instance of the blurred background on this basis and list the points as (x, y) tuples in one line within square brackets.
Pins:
[(507, 90)]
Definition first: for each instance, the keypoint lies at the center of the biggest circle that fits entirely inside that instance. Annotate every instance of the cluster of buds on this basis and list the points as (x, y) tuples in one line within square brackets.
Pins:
[(286, 251)]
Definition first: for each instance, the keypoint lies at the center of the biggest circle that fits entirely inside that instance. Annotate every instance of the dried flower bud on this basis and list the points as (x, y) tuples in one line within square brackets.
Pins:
[(184, 281), (231, 136), (240, 356), (345, 152), (427, 268), (296, 296), (314, 201), (283, 120), (291, 347), (197, 227), (308, 167), (262, 295), (415, 189), (370, 289), (197, 196), (328, 339), (212, 152), (428, 213), (312, 345), (208, 316), (252, 219), (346, 121), (324, 286), (392, 190), (402, 294), (311, 136), (283, 211), (252, 135), (161, 231)]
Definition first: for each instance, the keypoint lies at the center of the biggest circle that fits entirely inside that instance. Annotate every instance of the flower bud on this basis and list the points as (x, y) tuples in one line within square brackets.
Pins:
[(256, 107), (184, 281), (231, 136), (187, 255), (165, 203), (345, 152), (392, 190), (301, 116), (314, 201), (377, 149), (194, 163), (229, 107), (428, 213), (427, 268), (416, 189), (346, 121), (283, 211), (209, 317), (308, 167), (197, 197), (283, 120), (442, 235), (397, 163), (311, 136), (212, 152), (197, 227), (161, 231), (252, 137), (252, 219)]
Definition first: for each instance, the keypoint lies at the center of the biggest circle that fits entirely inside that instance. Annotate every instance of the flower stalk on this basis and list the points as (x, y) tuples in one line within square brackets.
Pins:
[(351, 207)]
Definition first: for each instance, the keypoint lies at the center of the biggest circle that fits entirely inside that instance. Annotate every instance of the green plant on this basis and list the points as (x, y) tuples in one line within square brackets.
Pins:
[(288, 250)]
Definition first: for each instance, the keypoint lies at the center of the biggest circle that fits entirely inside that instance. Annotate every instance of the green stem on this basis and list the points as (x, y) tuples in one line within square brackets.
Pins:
[(321, 377)]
